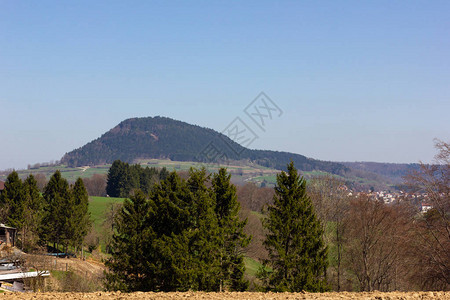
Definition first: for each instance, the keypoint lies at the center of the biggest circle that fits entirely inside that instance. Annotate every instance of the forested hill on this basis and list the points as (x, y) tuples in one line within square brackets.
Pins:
[(393, 171), (160, 137)]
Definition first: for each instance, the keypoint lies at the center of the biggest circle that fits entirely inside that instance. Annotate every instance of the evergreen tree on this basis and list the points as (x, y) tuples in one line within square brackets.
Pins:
[(124, 179), (170, 219), (80, 217), (58, 205), (13, 197), (131, 264), (147, 178), (187, 236), (163, 173), (168, 242), (232, 232), (115, 182), (204, 233), (33, 213), (297, 255)]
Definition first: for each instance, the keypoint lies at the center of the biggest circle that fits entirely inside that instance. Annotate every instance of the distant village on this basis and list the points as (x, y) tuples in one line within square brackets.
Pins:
[(420, 200)]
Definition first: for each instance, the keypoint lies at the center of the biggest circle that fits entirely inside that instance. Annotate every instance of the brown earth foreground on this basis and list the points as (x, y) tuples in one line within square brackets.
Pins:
[(226, 295)]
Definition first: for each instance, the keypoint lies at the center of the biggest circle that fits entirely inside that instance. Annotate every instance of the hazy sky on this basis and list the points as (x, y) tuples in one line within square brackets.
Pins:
[(356, 81)]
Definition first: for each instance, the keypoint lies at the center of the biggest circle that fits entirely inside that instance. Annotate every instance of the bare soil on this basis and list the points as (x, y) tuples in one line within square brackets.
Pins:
[(228, 295)]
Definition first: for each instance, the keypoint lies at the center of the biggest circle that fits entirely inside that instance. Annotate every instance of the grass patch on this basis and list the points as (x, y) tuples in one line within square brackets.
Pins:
[(251, 266), (98, 207), (58, 274), (258, 214)]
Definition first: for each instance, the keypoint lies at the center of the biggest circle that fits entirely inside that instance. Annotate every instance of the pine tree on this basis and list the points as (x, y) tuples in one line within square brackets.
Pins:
[(33, 213), (13, 197), (232, 232), (187, 236), (170, 218), (114, 186), (167, 242), (163, 173), (80, 218), (58, 206), (131, 266), (297, 255), (204, 233)]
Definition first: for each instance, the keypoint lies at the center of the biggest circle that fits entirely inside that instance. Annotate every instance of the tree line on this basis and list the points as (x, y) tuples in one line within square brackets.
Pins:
[(177, 232), (396, 246), (186, 234), (58, 216), (317, 236), (183, 235), (124, 178)]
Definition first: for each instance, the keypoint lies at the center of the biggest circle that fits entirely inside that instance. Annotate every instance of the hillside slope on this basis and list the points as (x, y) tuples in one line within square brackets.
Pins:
[(160, 137), (393, 171)]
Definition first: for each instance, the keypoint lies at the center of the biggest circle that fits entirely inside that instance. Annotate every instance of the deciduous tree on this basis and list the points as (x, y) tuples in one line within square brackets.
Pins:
[(433, 227)]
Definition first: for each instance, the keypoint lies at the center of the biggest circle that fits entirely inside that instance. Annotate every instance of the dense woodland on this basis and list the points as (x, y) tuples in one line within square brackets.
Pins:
[(58, 216), (123, 179)]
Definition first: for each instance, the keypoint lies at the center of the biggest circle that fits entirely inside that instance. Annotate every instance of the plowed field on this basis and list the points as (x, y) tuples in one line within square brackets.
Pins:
[(226, 295)]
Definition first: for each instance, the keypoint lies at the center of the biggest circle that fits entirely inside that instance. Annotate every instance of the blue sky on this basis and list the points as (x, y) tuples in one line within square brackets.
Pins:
[(356, 80)]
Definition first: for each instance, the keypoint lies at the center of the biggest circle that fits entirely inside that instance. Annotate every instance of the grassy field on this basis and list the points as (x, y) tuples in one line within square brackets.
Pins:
[(241, 171), (98, 206), (251, 266)]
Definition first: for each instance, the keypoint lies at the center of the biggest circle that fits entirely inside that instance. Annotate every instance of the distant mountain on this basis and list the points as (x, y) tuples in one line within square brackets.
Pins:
[(160, 137), (392, 171)]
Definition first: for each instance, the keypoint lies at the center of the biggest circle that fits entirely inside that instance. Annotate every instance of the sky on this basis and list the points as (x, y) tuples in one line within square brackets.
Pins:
[(355, 80)]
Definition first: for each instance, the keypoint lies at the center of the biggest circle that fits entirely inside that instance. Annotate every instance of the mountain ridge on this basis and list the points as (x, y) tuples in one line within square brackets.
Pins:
[(162, 137)]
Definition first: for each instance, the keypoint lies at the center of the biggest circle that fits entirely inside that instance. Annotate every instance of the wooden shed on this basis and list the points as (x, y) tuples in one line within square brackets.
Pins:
[(7, 235)]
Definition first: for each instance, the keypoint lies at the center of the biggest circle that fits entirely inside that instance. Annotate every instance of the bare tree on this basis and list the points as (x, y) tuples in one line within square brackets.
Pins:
[(331, 202), (433, 227), (41, 181), (376, 235), (253, 197), (96, 184)]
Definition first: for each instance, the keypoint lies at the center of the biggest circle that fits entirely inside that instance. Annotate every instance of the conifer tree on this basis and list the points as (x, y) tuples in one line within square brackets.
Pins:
[(13, 197), (57, 211), (297, 255), (131, 266), (115, 181), (170, 218), (233, 238), (80, 222), (204, 233), (33, 213)]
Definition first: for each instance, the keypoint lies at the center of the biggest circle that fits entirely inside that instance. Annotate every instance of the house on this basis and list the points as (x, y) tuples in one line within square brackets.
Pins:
[(7, 235), (426, 207)]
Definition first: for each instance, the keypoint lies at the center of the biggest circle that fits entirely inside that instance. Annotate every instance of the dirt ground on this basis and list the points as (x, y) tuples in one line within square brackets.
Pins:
[(226, 295)]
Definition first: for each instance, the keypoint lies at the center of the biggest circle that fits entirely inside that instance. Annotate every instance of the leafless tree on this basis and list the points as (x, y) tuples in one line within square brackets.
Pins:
[(41, 181), (253, 197), (96, 184), (433, 227), (376, 235), (331, 203)]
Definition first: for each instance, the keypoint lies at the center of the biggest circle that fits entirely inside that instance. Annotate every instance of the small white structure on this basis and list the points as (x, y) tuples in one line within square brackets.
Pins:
[(426, 207)]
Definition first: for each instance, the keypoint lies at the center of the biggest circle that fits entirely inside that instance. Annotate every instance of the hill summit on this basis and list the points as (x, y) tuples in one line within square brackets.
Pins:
[(165, 138)]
